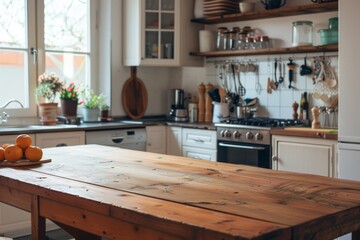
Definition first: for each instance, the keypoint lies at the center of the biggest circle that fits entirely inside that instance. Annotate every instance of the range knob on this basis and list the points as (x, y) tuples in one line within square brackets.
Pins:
[(259, 137), (249, 135), (236, 134), (227, 134)]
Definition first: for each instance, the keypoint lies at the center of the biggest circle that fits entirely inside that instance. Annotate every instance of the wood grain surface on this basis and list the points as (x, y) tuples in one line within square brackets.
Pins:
[(183, 198), (134, 96)]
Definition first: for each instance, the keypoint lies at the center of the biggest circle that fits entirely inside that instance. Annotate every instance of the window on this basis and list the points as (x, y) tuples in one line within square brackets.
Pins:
[(61, 45)]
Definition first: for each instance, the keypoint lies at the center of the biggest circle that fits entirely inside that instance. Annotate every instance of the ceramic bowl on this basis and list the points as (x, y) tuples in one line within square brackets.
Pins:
[(246, 7)]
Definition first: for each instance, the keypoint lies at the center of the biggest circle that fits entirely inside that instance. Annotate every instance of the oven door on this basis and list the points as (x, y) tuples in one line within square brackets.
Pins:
[(244, 153)]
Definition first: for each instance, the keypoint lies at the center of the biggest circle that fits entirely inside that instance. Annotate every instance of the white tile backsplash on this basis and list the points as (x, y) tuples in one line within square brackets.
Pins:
[(279, 102)]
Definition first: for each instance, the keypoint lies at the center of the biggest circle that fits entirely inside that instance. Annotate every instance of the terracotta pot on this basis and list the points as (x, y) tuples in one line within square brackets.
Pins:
[(69, 107), (47, 113)]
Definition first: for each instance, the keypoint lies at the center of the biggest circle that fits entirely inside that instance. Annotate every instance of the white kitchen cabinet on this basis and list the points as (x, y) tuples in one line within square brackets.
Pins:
[(199, 143), (156, 139), (174, 141), (159, 33), (60, 139), (199, 153), (305, 155)]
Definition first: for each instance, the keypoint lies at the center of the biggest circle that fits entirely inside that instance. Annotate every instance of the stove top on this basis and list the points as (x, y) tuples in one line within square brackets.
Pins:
[(261, 123), (252, 131)]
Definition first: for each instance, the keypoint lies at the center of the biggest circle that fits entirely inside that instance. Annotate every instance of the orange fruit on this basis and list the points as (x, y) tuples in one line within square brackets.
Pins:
[(2, 154), (13, 153), (33, 153), (5, 145), (23, 141)]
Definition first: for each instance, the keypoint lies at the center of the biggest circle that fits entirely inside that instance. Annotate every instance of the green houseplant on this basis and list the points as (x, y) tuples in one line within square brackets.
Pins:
[(91, 103)]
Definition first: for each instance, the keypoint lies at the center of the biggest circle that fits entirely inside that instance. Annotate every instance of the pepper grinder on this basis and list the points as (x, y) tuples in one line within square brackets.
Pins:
[(208, 103), (201, 105), (295, 107), (315, 113)]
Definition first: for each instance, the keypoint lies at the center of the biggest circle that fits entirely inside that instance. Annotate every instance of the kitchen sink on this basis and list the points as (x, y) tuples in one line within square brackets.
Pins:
[(34, 127)]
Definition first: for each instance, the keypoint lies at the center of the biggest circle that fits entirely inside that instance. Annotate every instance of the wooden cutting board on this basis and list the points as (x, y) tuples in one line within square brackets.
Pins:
[(23, 163), (304, 129), (134, 96)]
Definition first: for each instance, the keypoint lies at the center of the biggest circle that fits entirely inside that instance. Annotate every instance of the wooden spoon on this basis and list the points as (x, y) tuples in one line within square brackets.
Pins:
[(222, 93)]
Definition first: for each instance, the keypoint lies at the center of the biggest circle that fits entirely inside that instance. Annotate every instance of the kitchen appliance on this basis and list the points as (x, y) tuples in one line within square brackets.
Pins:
[(248, 141), (178, 112), (349, 131), (134, 138)]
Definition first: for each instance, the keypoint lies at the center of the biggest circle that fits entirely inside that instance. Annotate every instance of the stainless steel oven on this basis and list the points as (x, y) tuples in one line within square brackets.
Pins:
[(249, 146), (248, 141)]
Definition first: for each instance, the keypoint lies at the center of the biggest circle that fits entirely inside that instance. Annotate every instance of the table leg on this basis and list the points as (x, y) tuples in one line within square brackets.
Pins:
[(356, 235), (38, 227)]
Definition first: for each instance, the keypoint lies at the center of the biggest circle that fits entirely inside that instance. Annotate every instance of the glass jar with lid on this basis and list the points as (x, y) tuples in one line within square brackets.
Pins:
[(302, 33), (220, 40)]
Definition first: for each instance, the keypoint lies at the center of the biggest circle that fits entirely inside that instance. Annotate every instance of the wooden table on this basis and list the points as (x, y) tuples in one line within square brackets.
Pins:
[(93, 191)]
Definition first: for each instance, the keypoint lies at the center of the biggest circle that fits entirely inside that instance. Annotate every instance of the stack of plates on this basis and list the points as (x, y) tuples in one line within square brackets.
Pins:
[(219, 7)]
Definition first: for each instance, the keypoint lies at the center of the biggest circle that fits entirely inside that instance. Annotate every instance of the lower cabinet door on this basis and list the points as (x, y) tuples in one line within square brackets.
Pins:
[(199, 153)]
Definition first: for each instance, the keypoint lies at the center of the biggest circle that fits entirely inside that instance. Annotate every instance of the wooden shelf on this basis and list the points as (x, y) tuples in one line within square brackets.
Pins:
[(271, 51), (273, 13)]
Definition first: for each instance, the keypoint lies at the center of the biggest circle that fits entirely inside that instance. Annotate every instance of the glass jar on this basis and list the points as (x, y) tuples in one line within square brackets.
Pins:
[(302, 33), (264, 42), (250, 43), (220, 40), (241, 42)]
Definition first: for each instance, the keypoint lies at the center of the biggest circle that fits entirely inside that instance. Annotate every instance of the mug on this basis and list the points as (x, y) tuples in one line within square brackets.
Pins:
[(272, 4)]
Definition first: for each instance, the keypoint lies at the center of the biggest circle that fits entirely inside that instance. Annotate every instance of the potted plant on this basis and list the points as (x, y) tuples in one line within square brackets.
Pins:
[(91, 103), (69, 100), (49, 85), (104, 112)]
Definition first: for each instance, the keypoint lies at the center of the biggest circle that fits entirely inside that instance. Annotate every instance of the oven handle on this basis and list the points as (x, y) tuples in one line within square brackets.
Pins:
[(241, 146)]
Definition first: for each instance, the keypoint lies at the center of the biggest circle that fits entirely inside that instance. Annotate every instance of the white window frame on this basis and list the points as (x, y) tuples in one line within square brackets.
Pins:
[(35, 12)]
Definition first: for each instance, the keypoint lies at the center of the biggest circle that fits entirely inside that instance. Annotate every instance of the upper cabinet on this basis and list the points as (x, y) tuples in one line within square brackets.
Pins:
[(159, 33), (265, 14)]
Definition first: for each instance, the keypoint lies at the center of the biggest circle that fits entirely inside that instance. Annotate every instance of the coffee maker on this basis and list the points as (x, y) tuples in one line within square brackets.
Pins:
[(178, 111)]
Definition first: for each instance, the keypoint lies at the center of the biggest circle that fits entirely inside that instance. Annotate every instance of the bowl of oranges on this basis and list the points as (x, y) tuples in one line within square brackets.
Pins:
[(21, 150)]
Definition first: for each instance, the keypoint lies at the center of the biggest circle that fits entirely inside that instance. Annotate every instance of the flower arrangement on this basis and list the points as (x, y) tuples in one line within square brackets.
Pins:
[(49, 86), (90, 99), (69, 92)]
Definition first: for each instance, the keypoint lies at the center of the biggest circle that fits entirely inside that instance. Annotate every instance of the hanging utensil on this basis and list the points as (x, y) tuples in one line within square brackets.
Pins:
[(241, 89), (305, 69), (291, 67), (275, 76), (257, 83), (268, 88), (331, 79), (281, 77)]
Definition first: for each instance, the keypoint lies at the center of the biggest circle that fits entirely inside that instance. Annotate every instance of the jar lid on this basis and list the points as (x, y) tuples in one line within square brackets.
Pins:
[(222, 29), (302, 22), (264, 38)]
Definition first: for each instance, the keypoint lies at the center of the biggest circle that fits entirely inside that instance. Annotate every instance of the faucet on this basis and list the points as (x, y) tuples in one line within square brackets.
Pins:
[(4, 117), (10, 101)]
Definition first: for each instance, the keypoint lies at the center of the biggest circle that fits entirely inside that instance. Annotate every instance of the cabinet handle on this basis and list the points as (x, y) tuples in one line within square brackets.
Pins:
[(61, 145), (198, 140), (274, 158)]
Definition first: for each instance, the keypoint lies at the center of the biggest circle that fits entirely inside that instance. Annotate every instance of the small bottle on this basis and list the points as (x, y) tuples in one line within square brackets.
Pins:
[(301, 116), (305, 107)]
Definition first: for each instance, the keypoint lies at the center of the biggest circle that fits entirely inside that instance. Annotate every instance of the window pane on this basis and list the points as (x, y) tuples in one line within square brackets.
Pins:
[(12, 23), (13, 72), (66, 25), (68, 66)]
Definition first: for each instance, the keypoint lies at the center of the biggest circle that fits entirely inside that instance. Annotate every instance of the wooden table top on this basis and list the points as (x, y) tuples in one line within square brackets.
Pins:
[(193, 199)]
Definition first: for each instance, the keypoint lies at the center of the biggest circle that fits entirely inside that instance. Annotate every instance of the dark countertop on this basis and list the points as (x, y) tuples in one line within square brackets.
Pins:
[(94, 126)]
